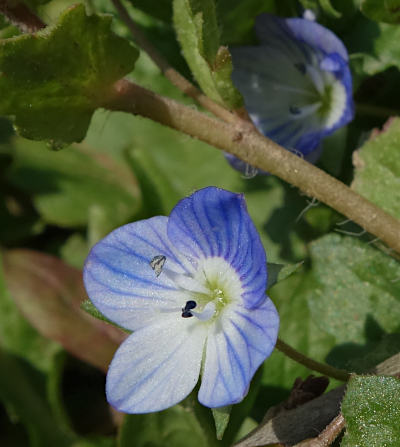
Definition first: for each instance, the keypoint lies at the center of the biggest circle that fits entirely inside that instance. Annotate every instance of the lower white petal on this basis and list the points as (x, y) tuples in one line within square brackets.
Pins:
[(157, 366)]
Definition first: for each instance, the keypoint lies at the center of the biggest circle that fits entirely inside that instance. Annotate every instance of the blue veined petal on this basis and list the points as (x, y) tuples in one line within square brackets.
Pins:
[(270, 83), (120, 281), (280, 99), (315, 35), (213, 222), (235, 349), (156, 366), (275, 32)]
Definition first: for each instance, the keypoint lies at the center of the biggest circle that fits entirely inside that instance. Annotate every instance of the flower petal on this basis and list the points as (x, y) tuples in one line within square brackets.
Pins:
[(157, 366), (297, 84), (235, 349), (312, 33), (120, 281), (213, 222), (279, 97)]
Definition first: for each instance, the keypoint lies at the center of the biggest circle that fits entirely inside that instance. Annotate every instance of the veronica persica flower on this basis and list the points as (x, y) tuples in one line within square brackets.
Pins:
[(191, 287), (296, 83)]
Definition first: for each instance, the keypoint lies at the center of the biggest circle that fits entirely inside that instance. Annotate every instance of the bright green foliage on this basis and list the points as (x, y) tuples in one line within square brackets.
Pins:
[(174, 427), (69, 185), (378, 168), (382, 10), (356, 282), (197, 30), (52, 81), (375, 46), (371, 408)]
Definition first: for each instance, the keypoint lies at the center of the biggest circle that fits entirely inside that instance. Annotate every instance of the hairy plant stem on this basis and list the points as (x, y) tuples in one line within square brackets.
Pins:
[(258, 151), (322, 368), (21, 16), (171, 74)]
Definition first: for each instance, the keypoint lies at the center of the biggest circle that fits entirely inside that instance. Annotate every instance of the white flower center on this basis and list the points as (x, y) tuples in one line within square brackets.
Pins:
[(326, 99), (210, 289)]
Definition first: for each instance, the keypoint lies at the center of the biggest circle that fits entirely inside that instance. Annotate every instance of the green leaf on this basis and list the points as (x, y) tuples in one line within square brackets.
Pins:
[(356, 282), (49, 293), (75, 250), (18, 337), (53, 80), (298, 329), (197, 30), (371, 356), (279, 272), (160, 9), (90, 308), (66, 185), (382, 10), (236, 19), (377, 165), (373, 46), (221, 417), (174, 427), (20, 389), (371, 408), (327, 7)]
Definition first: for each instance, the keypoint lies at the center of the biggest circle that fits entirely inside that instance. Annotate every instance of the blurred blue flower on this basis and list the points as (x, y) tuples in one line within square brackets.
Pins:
[(191, 287), (296, 84)]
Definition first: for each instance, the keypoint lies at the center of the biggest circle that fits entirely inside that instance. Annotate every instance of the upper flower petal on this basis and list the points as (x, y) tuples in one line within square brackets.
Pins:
[(236, 347), (308, 31), (213, 222), (120, 281), (156, 366)]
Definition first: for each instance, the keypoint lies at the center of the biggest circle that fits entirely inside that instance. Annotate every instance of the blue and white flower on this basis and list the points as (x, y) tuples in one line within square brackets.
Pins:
[(296, 84), (191, 287)]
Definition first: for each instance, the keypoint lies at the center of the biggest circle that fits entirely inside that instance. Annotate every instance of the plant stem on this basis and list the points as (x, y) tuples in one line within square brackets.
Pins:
[(172, 75), (21, 16), (322, 368), (258, 151), (328, 436)]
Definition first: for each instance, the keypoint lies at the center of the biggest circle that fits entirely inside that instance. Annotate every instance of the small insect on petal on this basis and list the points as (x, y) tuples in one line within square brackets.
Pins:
[(157, 264)]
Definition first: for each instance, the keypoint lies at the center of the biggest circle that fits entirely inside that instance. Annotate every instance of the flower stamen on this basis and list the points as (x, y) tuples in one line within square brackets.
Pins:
[(207, 313), (186, 311)]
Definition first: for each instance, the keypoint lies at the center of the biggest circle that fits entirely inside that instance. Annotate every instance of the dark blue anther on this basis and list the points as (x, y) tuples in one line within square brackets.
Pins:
[(186, 310), (190, 305)]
